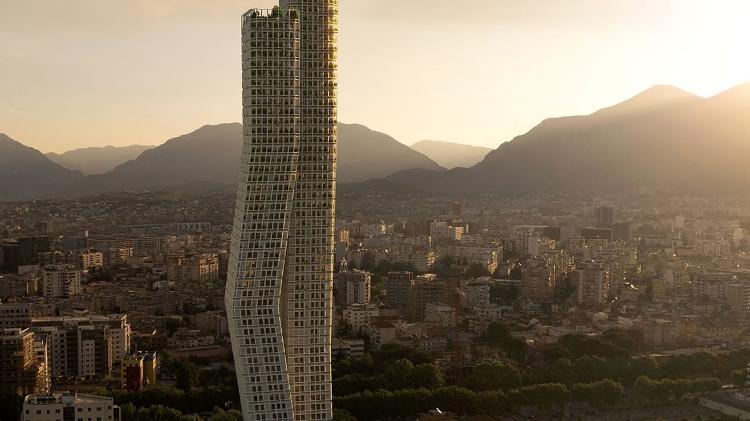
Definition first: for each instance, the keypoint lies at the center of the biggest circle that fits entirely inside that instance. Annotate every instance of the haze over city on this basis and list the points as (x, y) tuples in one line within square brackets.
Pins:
[(81, 73), (374, 210)]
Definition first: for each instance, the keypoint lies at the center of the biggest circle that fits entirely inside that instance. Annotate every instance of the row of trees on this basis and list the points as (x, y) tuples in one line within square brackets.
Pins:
[(409, 402), (377, 361), (675, 388), (401, 374), (195, 400), (727, 367), (163, 413), (498, 336)]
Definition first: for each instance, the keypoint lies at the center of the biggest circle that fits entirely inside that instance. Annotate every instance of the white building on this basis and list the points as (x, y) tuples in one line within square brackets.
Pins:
[(283, 230), (352, 287), (348, 348), (441, 230), (486, 314), (69, 406), (95, 341), (61, 281), (358, 316)]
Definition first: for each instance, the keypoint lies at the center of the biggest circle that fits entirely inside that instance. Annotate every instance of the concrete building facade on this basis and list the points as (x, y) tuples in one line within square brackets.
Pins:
[(279, 295)]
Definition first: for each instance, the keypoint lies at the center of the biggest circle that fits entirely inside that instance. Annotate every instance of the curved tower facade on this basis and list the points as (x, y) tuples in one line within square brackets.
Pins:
[(280, 276)]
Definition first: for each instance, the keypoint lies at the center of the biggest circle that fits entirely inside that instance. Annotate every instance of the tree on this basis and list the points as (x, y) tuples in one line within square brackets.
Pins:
[(221, 415), (476, 270), (739, 377), (186, 373), (428, 376), (493, 375), (496, 335), (343, 415), (601, 393), (399, 374), (517, 348), (561, 371), (507, 295)]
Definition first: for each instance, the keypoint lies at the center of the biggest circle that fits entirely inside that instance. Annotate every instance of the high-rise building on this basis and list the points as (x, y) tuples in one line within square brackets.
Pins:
[(279, 294), (352, 287), (398, 285), (84, 347), (61, 281), (593, 283), (15, 315), (426, 289), (604, 216), (20, 370)]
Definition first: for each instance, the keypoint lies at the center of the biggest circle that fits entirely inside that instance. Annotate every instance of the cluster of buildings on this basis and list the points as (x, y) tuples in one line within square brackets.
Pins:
[(679, 275), (81, 298), (95, 299)]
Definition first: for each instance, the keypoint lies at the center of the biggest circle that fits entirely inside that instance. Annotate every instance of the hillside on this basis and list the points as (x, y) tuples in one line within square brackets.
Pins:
[(664, 139), (97, 160), (451, 155), (25, 173), (211, 154), (364, 154)]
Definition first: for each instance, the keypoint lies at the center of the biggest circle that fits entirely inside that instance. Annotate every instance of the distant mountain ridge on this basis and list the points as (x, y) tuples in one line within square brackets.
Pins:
[(451, 155), (97, 160), (25, 173), (663, 139), (212, 153), (364, 154)]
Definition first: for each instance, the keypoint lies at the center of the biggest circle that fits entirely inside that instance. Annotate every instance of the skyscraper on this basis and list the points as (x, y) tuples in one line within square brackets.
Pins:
[(280, 274)]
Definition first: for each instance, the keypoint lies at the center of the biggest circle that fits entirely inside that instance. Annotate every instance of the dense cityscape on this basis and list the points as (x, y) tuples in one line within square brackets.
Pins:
[(556, 308), (293, 267)]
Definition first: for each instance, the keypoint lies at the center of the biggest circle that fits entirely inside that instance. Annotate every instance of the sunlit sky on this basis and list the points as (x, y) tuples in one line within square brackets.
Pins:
[(79, 73)]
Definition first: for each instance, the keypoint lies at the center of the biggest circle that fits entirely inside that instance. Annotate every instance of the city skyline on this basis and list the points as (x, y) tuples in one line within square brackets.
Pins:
[(563, 61)]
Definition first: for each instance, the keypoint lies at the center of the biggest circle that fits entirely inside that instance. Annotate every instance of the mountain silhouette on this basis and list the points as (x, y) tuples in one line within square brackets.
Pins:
[(664, 139), (451, 155), (211, 154), (25, 173), (97, 160)]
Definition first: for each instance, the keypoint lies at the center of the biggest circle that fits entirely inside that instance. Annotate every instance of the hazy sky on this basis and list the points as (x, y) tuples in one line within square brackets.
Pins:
[(78, 73)]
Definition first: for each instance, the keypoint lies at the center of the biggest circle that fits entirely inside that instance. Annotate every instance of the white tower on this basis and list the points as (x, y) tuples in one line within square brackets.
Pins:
[(280, 276)]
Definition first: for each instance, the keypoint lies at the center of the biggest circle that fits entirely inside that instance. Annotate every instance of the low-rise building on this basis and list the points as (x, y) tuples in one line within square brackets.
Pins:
[(91, 259), (358, 316), (69, 406), (189, 338), (193, 268), (348, 348), (138, 370)]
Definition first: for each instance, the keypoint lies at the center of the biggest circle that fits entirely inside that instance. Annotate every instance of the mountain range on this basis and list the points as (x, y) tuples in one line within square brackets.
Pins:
[(97, 160), (205, 158), (451, 155), (25, 173), (665, 140)]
